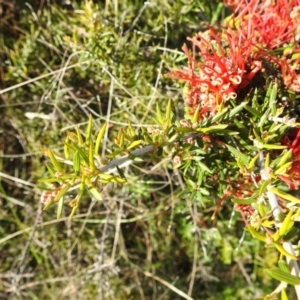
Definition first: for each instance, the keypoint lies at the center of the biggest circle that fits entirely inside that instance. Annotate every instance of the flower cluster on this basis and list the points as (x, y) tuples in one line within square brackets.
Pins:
[(226, 60), (221, 71), (268, 24)]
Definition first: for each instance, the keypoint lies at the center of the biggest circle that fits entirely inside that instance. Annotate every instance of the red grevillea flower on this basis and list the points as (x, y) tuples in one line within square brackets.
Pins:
[(222, 69), (268, 24), (292, 141)]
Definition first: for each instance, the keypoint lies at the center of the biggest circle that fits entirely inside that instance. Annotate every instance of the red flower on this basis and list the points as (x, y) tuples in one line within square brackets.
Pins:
[(222, 69), (268, 24)]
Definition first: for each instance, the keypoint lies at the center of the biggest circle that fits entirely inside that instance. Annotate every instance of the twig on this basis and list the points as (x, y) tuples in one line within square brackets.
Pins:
[(126, 160), (38, 78), (167, 284)]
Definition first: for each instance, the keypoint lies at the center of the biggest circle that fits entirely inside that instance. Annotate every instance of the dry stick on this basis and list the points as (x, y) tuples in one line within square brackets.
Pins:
[(276, 211), (108, 115), (101, 256), (158, 75), (38, 78), (167, 284), (25, 230)]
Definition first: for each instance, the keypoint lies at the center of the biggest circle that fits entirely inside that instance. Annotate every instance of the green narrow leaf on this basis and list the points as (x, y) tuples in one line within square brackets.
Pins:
[(283, 266), (275, 130), (99, 138), (284, 195), (173, 138), (169, 110), (184, 129), (130, 130), (263, 209), (66, 148), (215, 128), (55, 162), (88, 138), (48, 204), (252, 163), (62, 192), (287, 224), (146, 136), (91, 157), (269, 146), (79, 136), (60, 207), (239, 163), (50, 169), (196, 115), (283, 168), (120, 139), (267, 161), (135, 158), (218, 116), (286, 157), (269, 91), (95, 194), (283, 276), (237, 109), (81, 152), (238, 154), (72, 136), (284, 252), (253, 111), (78, 197), (257, 136), (291, 234), (243, 201), (111, 178), (159, 115), (257, 235), (273, 94), (264, 117), (263, 186), (134, 144), (114, 154), (217, 12), (297, 215), (76, 163), (204, 167), (284, 295)]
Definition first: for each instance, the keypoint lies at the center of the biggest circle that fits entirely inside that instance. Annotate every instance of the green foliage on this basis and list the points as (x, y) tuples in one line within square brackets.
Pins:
[(140, 184)]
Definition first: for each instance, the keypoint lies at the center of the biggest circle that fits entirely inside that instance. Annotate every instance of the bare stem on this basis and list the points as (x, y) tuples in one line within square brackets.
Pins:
[(126, 160)]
